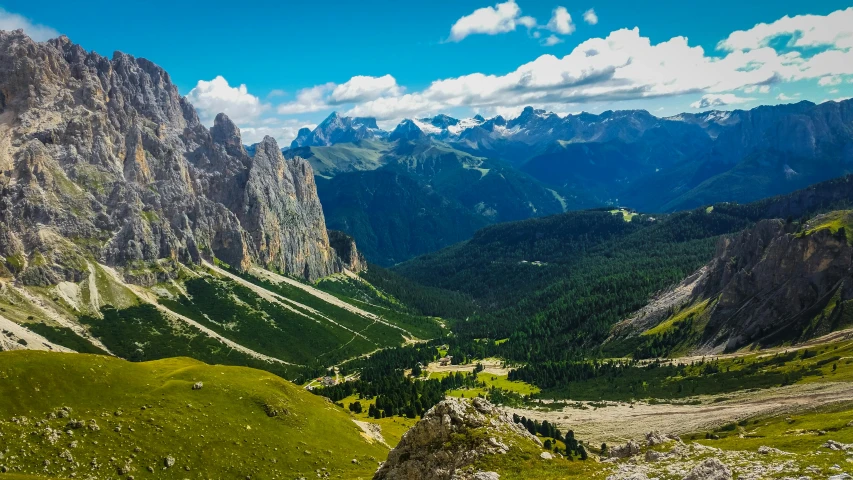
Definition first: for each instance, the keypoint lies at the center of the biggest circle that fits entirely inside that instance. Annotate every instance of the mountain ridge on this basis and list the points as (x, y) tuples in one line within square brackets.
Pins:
[(686, 159)]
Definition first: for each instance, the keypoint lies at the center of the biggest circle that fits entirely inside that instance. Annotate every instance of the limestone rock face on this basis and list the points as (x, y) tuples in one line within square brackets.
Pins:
[(774, 282), (101, 159), (432, 449), (345, 247)]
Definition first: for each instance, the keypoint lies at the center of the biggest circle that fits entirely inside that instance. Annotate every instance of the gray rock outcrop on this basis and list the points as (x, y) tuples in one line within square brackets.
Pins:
[(657, 437), (101, 159), (624, 451), (710, 469), (773, 281), (433, 449)]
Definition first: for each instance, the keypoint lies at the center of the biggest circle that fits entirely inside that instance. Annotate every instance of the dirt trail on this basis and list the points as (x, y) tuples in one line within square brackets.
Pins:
[(326, 297), (278, 299), (619, 422)]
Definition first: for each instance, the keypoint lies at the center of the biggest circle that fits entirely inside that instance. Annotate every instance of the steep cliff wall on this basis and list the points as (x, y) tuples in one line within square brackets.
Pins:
[(773, 283), (101, 159)]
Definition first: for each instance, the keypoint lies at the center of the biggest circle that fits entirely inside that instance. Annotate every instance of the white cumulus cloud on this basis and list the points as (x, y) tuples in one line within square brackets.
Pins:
[(712, 100), (829, 81), (561, 21), (528, 22), (804, 31), (358, 89), (12, 21), (217, 96), (311, 99), (551, 41), (756, 88), (501, 18), (622, 66), (283, 131), (363, 88), (590, 17)]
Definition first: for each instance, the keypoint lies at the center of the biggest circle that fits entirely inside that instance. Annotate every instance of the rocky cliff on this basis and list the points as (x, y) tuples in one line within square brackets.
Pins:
[(102, 160), (778, 281)]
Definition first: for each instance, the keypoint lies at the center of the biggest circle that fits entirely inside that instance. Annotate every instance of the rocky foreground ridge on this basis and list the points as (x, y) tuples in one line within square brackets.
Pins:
[(450, 438), (101, 160)]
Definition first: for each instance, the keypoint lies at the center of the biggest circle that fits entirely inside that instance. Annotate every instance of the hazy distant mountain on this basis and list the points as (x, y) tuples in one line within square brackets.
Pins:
[(394, 215), (437, 193), (337, 129)]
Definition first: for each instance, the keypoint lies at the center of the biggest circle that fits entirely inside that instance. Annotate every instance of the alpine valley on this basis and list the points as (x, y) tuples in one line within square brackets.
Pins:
[(610, 296), (432, 182)]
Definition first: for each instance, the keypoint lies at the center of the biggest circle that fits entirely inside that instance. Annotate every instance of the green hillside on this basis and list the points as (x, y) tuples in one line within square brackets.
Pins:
[(402, 199), (342, 157), (555, 286), (213, 314), (394, 217), (94, 416)]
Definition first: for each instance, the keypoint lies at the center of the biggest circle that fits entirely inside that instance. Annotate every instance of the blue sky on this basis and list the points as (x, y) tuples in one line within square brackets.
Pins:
[(287, 64)]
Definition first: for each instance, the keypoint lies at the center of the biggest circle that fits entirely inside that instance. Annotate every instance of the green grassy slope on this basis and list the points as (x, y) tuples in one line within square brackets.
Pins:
[(305, 328), (148, 411), (343, 157)]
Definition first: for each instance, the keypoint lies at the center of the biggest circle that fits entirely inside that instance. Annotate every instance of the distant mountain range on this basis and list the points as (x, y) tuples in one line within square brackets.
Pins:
[(541, 163), (410, 194)]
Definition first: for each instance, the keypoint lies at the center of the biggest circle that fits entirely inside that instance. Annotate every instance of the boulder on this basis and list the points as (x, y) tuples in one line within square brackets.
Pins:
[(654, 456), (710, 469), (838, 446), (624, 451), (486, 476), (656, 437)]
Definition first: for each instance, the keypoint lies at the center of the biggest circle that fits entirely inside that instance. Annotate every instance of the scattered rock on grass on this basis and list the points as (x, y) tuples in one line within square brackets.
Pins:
[(765, 450), (653, 456), (833, 445)]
